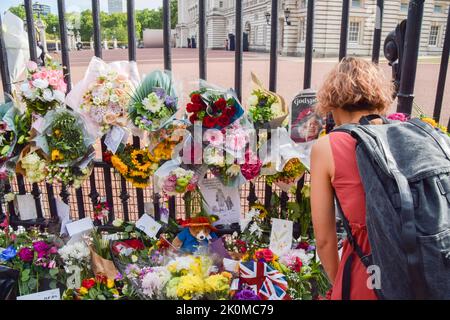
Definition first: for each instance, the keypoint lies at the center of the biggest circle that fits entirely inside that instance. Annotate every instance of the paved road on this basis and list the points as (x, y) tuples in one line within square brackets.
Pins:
[(290, 72)]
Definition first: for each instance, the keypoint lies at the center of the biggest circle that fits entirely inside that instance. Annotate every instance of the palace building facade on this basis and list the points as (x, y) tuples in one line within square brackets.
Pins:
[(220, 19)]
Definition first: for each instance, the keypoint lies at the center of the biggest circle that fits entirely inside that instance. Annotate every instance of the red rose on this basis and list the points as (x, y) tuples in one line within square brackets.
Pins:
[(220, 104), (297, 267), (135, 244), (193, 118), (196, 98), (223, 120), (230, 112), (88, 283), (243, 250), (209, 122), (268, 255)]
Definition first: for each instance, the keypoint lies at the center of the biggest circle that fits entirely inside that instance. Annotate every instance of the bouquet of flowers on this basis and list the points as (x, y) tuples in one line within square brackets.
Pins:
[(35, 255), (179, 181), (214, 107), (154, 103), (44, 88), (8, 137), (98, 288), (293, 170), (102, 97), (135, 165), (106, 99), (266, 109), (101, 212), (76, 256), (67, 147)]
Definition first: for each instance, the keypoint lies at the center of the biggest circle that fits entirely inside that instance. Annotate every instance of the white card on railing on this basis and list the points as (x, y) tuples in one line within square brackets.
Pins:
[(281, 236), (54, 294), (80, 226), (114, 138), (148, 225), (63, 210), (26, 206), (230, 265)]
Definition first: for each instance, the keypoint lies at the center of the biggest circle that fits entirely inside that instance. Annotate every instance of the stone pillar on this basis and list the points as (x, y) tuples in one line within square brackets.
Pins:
[(91, 43), (115, 43), (57, 45), (105, 44)]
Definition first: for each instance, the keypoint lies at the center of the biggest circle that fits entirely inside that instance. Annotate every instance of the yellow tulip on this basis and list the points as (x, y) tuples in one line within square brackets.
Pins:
[(110, 283), (83, 291)]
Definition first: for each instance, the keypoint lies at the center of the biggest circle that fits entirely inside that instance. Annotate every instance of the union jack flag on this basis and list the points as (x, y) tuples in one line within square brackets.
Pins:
[(267, 282)]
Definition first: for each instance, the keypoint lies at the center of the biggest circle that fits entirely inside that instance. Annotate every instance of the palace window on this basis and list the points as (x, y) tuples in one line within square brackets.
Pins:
[(302, 4), (438, 8), (354, 31), (357, 3), (404, 6), (302, 30), (434, 35)]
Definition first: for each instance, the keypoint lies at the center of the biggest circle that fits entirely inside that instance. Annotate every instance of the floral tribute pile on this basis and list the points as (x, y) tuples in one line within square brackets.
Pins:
[(185, 259)]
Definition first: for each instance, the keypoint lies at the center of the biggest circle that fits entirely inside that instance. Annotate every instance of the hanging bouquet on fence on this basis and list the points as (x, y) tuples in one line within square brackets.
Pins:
[(154, 103), (214, 107), (44, 88), (102, 97), (172, 179), (62, 151), (8, 137), (267, 110)]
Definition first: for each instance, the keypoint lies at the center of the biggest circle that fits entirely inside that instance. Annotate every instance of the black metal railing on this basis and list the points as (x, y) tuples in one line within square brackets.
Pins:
[(130, 203)]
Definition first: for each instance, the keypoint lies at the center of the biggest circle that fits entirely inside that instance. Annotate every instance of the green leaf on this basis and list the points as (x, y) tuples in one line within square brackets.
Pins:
[(101, 297), (54, 272), (52, 284), (129, 228)]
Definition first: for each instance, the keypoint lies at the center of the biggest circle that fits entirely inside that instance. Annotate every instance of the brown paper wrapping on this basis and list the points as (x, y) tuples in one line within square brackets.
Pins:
[(102, 266)]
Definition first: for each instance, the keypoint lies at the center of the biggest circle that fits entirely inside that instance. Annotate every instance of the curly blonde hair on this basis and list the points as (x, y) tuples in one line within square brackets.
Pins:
[(355, 85)]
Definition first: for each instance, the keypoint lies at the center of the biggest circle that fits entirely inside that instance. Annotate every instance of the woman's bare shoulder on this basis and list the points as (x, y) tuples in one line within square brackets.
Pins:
[(322, 145)]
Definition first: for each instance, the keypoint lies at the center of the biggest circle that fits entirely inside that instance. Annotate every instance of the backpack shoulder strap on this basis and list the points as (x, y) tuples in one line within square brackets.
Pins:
[(434, 134)]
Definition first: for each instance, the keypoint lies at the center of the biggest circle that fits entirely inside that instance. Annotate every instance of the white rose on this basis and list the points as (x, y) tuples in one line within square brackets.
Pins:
[(25, 87), (253, 100), (48, 95), (40, 83), (29, 94), (59, 96)]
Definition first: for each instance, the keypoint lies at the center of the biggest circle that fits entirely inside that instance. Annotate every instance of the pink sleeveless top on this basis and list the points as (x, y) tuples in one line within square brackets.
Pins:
[(349, 189)]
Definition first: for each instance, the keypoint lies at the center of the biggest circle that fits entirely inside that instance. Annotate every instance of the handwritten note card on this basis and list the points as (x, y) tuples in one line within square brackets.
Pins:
[(80, 226), (54, 294), (281, 236), (148, 225)]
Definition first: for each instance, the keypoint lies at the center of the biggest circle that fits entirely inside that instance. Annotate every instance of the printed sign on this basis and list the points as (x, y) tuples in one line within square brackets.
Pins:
[(221, 201), (63, 211), (44, 295), (148, 225), (305, 125)]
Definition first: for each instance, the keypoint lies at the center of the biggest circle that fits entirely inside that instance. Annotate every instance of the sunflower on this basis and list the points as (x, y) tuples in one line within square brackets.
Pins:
[(141, 160), (57, 155), (119, 165), (140, 185), (139, 174), (430, 121)]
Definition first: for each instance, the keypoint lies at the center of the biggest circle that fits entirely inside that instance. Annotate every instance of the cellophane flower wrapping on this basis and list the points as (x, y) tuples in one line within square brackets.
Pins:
[(267, 110), (8, 138), (67, 146), (172, 179), (154, 103), (44, 88), (102, 97)]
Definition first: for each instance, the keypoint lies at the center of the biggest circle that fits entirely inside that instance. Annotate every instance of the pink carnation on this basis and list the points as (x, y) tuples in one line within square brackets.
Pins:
[(398, 117)]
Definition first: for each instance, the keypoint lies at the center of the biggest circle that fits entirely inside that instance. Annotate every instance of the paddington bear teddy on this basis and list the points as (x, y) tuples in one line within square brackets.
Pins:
[(196, 232)]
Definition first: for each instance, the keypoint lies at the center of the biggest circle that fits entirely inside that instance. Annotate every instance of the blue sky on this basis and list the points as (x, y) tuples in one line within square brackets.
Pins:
[(80, 5)]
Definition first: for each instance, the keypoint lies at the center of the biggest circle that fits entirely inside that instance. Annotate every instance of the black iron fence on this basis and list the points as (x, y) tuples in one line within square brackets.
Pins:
[(129, 203)]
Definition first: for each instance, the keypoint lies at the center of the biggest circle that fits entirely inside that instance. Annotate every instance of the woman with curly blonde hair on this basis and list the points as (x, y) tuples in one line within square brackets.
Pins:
[(353, 89)]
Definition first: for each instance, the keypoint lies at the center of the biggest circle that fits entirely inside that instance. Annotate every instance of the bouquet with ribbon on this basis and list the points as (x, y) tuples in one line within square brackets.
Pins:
[(154, 103), (267, 110), (102, 97)]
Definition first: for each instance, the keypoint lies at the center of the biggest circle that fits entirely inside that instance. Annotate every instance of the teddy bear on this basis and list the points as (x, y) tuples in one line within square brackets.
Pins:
[(196, 232)]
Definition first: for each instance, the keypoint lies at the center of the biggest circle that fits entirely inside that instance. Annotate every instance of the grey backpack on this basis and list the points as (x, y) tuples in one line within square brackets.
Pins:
[(405, 171)]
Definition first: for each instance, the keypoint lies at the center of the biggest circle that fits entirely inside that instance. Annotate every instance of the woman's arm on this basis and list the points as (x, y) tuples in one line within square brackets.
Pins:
[(322, 206)]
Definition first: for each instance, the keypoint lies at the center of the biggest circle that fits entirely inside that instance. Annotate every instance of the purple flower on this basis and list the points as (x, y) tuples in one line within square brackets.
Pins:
[(170, 101), (26, 254), (246, 294), (160, 92), (41, 247)]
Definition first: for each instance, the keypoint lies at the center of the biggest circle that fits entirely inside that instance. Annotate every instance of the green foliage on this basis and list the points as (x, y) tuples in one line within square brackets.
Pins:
[(112, 25)]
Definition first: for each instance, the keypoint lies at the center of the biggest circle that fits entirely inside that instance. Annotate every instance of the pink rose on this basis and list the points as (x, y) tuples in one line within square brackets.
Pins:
[(214, 137), (398, 117), (32, 66), (236, 141)]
